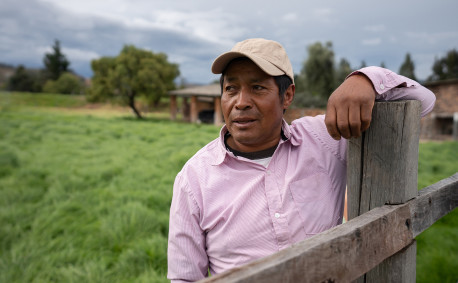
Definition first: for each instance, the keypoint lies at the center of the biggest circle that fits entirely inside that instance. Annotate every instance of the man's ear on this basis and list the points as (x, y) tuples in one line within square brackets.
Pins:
[(288, 96)]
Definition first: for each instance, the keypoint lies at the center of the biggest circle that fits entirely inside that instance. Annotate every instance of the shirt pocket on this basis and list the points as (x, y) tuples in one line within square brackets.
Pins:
[(315, 201)]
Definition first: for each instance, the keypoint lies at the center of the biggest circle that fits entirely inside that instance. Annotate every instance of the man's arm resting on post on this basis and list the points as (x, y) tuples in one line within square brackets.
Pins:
[(186, 256), (350, 106)]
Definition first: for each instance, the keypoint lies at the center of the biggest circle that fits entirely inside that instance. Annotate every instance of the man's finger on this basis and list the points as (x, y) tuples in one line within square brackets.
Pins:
[(354, 118), (331, 124), (343, 124), (366, 116)]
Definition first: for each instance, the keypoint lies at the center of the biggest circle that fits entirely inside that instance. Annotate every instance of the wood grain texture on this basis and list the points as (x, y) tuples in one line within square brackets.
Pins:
[(434, 202), (383, 169), (378, 245), (348, 251), (354, 175), (400, 267), (382, 165), (339, 254)]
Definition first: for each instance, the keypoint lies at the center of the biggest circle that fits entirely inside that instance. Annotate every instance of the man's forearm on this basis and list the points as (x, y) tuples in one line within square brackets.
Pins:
[(391, 86)]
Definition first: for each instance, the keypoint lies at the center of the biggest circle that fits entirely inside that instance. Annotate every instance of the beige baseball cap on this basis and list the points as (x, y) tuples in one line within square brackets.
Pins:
[(269, 55)]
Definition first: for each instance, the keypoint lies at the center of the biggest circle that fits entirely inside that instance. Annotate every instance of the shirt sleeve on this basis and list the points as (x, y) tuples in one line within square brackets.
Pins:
[(186, 255), (391, 86)]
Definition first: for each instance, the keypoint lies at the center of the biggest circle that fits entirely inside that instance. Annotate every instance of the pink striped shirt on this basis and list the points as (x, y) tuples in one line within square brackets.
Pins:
[(227, 211)]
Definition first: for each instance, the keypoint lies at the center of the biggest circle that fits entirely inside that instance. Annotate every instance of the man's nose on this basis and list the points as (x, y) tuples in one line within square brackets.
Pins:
[(243, 100)]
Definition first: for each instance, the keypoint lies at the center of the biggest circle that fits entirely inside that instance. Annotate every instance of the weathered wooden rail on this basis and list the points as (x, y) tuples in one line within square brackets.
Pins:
[(385, 209)]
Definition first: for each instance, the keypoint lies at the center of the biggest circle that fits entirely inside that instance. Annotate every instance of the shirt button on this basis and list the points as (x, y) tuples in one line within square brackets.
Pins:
[(382, 87), (277, 215)]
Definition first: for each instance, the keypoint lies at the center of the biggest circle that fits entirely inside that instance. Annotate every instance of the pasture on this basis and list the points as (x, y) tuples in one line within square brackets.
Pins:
[(85, 193)]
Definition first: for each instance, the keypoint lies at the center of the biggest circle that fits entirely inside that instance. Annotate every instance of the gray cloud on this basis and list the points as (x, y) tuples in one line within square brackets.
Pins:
[(193, 33)]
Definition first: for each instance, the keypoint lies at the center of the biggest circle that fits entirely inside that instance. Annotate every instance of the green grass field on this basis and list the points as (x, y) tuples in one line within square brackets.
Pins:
[(85, 198), (437, 247)]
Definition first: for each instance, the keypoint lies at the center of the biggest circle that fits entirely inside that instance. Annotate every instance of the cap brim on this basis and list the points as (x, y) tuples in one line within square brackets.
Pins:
[(224, 59)]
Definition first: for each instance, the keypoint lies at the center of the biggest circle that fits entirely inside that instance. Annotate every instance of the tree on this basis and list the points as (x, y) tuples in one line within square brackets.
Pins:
[(407, 68), (342, 71), (25, 79), (363, 64), (67, 83), (20, 80), (317, 74), (55, 63), (101, 87), (382, 64), (134, 72), (445, 67)]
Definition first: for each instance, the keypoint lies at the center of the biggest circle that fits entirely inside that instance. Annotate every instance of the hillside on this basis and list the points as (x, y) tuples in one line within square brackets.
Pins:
[(6, 71)]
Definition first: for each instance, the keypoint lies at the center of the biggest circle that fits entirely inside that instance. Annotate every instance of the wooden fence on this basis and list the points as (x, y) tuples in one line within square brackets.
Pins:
[(385, 209)]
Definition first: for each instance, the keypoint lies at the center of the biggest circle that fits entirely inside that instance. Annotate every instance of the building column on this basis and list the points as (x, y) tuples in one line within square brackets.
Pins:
[(218, 116), (194, 114), (173, 107), (185, 110), (455, 126)]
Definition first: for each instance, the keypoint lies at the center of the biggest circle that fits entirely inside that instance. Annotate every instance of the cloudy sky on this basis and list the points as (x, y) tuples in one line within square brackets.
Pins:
[(193, 33)]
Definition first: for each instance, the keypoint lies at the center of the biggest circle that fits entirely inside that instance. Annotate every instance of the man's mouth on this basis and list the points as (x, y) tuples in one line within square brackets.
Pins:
[(243, 121)]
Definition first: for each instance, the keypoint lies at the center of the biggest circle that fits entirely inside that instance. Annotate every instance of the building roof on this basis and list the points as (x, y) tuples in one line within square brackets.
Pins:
[(440, 83), (446, 97), (205, 90)]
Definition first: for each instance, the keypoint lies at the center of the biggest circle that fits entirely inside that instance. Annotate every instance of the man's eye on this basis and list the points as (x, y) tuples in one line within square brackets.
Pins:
[(229, 88), (258, 87)]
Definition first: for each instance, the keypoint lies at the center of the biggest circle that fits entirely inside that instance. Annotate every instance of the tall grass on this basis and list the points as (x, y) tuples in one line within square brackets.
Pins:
[(15, 99), (437, 247), (86, 199)]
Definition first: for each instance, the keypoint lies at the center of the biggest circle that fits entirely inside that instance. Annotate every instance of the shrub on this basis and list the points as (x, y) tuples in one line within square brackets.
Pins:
[(67, 83)]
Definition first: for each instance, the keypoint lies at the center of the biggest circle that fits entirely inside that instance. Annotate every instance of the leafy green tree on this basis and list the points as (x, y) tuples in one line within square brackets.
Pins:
[(25, 79), (101, 86), (317, 74), (446, 67), (407, 68), (363, 64), (342, 71), (55, 62), (20, 80), (134, 72), (67, 83), (382, 64)]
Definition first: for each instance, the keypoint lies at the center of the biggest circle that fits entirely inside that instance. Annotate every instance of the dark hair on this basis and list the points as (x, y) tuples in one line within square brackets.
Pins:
[(283, 82)]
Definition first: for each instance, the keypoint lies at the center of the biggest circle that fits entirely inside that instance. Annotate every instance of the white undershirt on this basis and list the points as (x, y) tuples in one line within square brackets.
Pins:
[(263, 161)]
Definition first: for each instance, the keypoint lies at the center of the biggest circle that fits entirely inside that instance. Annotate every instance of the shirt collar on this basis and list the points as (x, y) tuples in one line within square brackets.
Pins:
[(222, 152)]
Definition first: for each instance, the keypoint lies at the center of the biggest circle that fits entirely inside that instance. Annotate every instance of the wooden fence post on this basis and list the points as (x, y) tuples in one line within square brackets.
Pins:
[(382, 168), (348, 251)]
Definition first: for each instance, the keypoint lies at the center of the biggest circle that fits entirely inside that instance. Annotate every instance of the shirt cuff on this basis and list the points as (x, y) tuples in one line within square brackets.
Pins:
[(383, 79)]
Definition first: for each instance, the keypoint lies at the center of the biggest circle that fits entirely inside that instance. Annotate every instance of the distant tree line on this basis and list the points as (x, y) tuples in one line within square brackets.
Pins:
[(55, 77), (320, 75), (138, 73), (446, 67), (132, 74)]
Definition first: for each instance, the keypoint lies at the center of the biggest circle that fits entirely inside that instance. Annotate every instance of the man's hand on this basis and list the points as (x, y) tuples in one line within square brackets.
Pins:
[(349, 109)]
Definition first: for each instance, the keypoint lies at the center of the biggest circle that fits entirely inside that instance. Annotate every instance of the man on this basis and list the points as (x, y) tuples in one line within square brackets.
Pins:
[(263, 184)]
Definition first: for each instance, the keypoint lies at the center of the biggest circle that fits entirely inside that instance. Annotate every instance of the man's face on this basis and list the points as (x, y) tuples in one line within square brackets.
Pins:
[(252, 107)]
